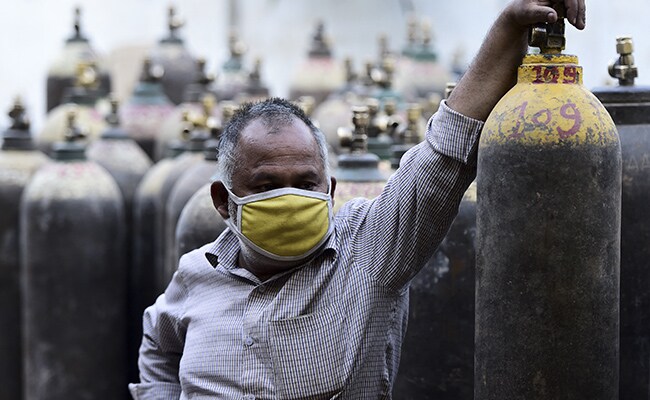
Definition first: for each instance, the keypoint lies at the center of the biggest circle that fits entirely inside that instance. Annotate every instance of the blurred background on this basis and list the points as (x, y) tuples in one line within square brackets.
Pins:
[(278, 31)]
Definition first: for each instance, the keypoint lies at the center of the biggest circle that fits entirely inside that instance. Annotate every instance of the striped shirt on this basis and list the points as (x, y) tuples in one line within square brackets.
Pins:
[(329, 329)]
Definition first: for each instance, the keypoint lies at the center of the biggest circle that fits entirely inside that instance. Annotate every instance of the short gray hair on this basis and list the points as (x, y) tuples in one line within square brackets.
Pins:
[(275, 112)]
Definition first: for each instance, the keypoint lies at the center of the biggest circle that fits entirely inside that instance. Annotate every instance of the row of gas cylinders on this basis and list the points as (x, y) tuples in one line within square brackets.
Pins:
[(173, 81), (77, 290), (95, 233)]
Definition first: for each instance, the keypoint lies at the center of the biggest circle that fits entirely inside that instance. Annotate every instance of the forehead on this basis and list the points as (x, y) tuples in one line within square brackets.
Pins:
[(289, 142)]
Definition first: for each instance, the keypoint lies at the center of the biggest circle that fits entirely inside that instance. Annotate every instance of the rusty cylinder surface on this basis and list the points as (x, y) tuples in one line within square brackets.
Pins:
[(548, 220), (629, 106), (74, 284), (437, 361)]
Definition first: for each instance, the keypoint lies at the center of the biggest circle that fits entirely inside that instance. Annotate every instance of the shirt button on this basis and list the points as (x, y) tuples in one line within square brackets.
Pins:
[(248, 341), (261, 288)]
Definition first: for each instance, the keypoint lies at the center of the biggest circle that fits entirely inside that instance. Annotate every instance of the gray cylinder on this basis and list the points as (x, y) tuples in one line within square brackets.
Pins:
[(74, 283), (199, 222), (18, 162)]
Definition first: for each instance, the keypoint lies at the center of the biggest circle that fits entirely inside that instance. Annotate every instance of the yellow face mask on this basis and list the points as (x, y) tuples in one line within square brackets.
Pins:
[(285, 224)]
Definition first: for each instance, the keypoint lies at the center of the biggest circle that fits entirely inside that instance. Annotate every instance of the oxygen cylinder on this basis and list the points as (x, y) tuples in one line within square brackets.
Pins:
[(177, 62), (199, 222), (193, 145), (81, 99), (233, 78), (418, 72), (147, 239), (548, 221), (194, 104), (62, 72), (319, 75), (188, 183), (441, 306), (19, 160), (74, 279), (143, 114), (127, 163), (629, 106), (357, 173)]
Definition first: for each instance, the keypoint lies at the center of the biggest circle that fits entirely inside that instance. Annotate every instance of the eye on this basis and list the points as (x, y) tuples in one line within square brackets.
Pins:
[(307, 186), (265, 187)]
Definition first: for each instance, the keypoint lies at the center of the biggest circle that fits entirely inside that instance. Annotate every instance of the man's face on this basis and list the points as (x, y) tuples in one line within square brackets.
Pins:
[(288, 157)]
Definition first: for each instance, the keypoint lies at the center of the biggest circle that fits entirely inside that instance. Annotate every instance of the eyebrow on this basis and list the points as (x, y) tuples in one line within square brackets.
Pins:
[(261, 176)]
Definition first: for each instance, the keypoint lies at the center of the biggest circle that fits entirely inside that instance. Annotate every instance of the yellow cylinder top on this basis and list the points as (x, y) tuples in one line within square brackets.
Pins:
[(549, 105)]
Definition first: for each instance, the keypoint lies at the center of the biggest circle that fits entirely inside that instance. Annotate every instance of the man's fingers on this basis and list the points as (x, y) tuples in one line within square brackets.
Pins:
[(535, 14), (575, 12)]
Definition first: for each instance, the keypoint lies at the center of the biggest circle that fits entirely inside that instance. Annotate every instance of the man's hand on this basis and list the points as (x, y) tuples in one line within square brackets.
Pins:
[(524, 13)]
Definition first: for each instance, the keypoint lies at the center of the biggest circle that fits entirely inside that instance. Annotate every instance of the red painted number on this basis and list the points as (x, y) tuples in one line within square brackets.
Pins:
[(545, 114), (570, 75), (518, 131), (570, 112), (546, 74)]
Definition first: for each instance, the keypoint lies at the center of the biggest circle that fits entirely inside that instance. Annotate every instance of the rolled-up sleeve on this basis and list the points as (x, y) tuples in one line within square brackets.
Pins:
[(396, 233), (162, 345)]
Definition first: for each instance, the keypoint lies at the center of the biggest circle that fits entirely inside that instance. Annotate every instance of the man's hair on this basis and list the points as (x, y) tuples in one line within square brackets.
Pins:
[(274, 113)]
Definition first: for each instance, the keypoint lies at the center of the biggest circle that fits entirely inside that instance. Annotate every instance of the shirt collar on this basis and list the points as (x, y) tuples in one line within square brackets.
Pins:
[(225, 249)]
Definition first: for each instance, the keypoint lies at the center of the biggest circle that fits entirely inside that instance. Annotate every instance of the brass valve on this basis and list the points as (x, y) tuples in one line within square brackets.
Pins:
[(549, 37), (113, 118), (320, 46), (203, 77), (449, 88), (73, 132), (411, 134), (151, 72), (19, 119), (87, 75), (356, 139), (228, 110), (624, 68)]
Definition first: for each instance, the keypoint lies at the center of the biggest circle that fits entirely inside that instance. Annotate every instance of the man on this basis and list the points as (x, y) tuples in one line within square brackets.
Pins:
[(293, 303)]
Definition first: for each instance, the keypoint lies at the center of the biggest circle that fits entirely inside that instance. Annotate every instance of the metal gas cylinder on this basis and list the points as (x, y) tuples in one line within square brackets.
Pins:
[(204, 171), (441, 317), (255, 88), (418, 72), (19, 160), (74, 279), (127, 163), (407, 137), (335, 111), (629, 106), (233, 77), (82, 99), (199, 222), (62, 72), (144, 112), (548, 220), (357, 173), (320, 74), (179, 65), (195, 137), (194, 104)]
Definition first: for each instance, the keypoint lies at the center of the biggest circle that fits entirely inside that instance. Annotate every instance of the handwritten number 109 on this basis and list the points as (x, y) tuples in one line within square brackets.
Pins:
[(568, 111)]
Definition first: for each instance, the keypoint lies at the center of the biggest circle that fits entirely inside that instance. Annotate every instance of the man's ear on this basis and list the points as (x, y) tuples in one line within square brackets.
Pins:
[(333, 188), (219, 196)]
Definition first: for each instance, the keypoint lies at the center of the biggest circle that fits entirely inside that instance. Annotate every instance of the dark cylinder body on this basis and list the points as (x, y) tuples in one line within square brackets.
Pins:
[(199, 222), (629, 107), (16, 169), (127, 163), (548, 223), (74, 284), (437, 360), (187, 184)]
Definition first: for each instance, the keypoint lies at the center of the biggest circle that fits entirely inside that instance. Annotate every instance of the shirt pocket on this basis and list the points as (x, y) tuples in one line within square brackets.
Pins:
[(307, 354)]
